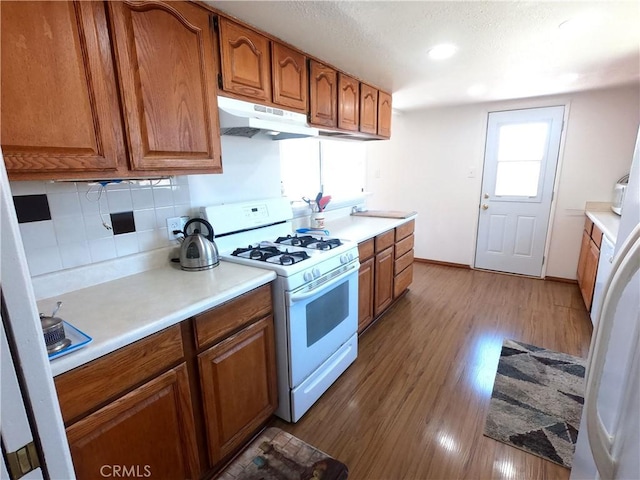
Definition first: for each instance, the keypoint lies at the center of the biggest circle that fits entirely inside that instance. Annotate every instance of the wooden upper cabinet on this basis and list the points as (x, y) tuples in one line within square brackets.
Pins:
[(323, 93), (166, 64), (384, 114), (245, 59), (368, 109), (290, 81), (348, 102), (60, 109)]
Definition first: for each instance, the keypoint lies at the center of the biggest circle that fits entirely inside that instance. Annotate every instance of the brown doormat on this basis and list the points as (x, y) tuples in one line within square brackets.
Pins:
[(279, 455)]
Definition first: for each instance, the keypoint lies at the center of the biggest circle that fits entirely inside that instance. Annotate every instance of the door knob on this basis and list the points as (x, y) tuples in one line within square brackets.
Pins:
[(485, 206), (486, 195)]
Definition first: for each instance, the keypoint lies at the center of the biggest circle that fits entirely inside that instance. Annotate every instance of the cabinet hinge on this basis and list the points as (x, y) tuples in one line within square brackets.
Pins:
[(214, 23), (22, 461), (220, 81)]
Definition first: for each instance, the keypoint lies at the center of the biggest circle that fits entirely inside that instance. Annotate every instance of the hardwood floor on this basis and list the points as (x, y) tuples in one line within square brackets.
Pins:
[(414, 403)]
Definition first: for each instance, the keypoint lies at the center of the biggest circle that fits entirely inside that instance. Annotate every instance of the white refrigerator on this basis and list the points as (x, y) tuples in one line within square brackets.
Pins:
[(609, 438)]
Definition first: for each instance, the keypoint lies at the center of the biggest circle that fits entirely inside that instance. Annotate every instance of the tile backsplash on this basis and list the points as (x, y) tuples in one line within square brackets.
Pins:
[(88, 223)]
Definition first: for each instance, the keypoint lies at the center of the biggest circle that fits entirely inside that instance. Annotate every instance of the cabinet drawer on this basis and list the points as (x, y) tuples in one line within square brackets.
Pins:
[(402, 281), (405, 230), (596, 235), (384, 240), (588, 225), (404, 245), (365, 249), (220, 322), (84, 388), (403, 262)]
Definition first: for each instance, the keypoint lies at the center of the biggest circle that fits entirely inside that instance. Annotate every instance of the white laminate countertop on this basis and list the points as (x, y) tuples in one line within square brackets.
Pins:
[(358, 229), (125, 310), (607, 221)]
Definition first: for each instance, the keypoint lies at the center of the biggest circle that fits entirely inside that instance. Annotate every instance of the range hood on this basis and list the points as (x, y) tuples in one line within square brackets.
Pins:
[(246, 119)]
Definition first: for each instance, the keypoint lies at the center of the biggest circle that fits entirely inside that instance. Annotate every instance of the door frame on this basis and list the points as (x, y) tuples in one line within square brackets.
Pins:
[(566, 103)]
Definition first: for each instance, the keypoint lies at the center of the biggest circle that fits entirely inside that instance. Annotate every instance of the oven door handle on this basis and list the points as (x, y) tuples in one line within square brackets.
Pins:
[(296, 297)]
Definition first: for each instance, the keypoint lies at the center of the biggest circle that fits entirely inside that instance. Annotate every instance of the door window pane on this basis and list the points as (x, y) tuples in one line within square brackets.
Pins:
[(518, 179), (523, 141), (521, 149)]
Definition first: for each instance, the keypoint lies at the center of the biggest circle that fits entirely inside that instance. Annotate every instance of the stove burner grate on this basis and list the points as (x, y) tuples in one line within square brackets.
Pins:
[(270, 254), (309, 241)]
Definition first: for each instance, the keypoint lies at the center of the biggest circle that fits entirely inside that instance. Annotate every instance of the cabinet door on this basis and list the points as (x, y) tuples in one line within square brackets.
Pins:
[(589, 274), (365, 294), (368, 109), (384, 114), (149, 431), (323, 93), (60, 110), (582, 259), (245, 61), (348, 102), (383, 280), (238, 381), (166, 65), (290, 81)]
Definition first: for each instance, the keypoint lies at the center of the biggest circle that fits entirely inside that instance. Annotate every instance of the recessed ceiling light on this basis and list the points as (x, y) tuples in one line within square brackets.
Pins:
[(442, 51)]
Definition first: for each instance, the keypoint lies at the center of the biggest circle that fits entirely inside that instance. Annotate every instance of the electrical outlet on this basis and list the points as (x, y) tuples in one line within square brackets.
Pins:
[(175, 223)]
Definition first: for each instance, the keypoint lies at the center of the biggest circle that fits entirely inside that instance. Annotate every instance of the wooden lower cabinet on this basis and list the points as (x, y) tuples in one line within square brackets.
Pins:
[(383, 280), (588, 261), (156, 407), (365, 294), (238, 387), (148, 432), (386, 271)]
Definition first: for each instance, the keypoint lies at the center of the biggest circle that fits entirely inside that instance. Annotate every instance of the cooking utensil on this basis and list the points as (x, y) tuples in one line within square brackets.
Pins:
[(198, 251), (53, 331), (324, 201), (318, 197)]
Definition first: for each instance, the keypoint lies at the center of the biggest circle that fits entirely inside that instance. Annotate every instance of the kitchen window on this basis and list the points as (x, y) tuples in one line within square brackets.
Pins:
[(335, 167)]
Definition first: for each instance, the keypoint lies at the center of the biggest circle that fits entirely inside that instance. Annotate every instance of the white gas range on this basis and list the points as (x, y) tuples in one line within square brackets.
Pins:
[(315, 294)]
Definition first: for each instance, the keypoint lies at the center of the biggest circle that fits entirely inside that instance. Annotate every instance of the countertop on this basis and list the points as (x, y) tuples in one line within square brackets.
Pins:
[(358, 229), (607, 221), (122, 311), (125, 310)]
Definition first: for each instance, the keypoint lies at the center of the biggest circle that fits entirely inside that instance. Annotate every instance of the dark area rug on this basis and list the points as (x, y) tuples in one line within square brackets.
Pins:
[(276, 454), (537, 401)]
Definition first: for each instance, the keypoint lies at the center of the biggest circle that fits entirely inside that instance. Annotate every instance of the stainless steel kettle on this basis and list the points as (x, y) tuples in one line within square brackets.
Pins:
[(198, 252)]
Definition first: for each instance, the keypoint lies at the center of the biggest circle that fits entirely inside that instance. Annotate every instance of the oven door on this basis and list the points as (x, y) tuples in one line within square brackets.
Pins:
[(320, 321)]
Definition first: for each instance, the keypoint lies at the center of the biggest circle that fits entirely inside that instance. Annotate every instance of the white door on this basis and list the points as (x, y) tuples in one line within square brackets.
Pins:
[(26, 381), (521, 156)]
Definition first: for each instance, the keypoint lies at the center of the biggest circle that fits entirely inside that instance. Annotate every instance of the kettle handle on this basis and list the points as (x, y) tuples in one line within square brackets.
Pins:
[(209, 235)]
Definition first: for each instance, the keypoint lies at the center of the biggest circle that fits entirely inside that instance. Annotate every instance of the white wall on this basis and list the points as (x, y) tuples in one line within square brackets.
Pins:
[(425, 167), (251, 170)]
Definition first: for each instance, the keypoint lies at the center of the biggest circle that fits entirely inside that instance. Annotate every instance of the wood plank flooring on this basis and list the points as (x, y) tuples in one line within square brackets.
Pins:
[(413, 405)]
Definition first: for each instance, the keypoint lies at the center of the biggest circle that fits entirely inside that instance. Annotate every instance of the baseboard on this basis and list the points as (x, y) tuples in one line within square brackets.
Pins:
[(445, 264), (561, 280)]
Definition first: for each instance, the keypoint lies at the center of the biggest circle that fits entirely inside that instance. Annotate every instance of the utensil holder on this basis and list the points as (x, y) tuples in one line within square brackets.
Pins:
[(317, 220)]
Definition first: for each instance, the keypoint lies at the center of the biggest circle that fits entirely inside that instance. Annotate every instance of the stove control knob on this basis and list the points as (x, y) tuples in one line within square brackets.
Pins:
[(316, 272), (350, 257), (344, 258), (308, 276)]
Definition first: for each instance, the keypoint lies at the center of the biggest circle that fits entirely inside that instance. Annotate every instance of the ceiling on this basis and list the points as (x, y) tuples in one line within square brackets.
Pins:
[(505, 50)]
